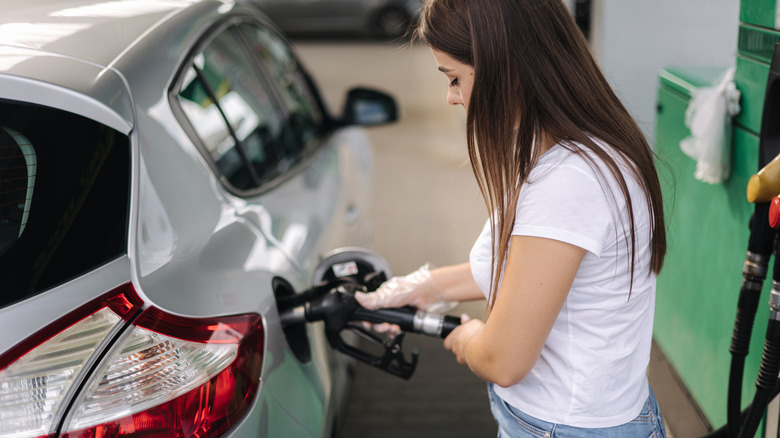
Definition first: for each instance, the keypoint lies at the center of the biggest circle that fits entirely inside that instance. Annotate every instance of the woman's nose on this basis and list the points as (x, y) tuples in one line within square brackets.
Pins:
[(453, 97)]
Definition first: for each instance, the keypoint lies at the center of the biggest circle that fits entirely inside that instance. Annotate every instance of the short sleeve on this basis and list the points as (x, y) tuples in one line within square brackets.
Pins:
[(566, 202)]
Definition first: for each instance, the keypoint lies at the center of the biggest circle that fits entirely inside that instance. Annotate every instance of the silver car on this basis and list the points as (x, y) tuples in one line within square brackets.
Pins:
[(167, 169), (389, 19)]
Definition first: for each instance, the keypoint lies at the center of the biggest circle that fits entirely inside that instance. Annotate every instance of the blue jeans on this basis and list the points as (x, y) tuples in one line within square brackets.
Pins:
[(514, 423)]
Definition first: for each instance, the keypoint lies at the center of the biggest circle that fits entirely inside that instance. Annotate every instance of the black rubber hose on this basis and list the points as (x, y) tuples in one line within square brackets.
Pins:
[(740, 343), (723, 431), (411, 320), (766, 383), (734, 401), (338, 310), (753, 275), (761, 238)]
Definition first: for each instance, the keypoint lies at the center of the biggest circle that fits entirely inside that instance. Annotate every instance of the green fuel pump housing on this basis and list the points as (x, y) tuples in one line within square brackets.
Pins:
[(708, 224)]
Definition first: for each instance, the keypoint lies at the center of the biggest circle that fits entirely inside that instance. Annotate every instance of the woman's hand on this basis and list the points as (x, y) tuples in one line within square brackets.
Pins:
[(431, 290), (412, 289), (458, 340)]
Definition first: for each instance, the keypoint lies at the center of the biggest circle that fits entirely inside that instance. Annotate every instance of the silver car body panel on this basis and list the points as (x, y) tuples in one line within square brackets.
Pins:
[(25, 317), (73, 85), (194, 249)]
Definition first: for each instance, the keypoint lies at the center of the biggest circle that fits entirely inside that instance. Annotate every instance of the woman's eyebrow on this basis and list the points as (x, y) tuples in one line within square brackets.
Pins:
[(444, 69)]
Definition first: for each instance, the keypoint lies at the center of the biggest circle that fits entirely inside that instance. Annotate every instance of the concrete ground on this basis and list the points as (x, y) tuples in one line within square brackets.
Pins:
[(428, 210)]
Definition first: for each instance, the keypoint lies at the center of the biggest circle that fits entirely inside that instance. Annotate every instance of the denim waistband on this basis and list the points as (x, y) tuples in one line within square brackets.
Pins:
[(513, 422)]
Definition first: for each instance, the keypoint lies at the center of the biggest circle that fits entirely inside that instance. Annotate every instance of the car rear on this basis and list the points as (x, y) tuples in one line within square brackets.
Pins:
[(84, 354)]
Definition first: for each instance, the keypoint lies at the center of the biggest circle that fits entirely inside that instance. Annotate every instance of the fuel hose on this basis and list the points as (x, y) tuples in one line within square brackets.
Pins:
[(411, 319), (770, 362), (754, 272), (723, 431)]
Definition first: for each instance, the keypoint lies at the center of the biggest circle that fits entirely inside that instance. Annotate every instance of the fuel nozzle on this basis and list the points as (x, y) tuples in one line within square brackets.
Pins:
[(340, 311), (332, 301)]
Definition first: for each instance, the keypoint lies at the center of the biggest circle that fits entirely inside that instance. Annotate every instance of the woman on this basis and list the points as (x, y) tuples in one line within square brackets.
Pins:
[(568, 259)]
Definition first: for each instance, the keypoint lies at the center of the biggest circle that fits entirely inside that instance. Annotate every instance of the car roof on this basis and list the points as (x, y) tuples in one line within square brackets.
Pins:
[(71, 28), (83, 56)]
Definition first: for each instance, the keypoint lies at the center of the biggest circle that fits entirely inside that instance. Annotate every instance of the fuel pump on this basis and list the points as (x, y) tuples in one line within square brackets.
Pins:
[(762, 187), (332, 301)]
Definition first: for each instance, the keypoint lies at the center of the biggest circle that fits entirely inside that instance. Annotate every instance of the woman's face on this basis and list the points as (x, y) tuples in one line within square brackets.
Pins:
[(460, 75)]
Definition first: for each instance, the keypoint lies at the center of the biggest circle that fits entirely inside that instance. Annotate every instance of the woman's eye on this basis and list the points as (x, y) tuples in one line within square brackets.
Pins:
[(454, 82)]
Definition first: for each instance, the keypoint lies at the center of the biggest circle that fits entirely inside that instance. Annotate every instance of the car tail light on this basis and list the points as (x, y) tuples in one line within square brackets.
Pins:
[(37, 375), (166, 376), (173, 376)]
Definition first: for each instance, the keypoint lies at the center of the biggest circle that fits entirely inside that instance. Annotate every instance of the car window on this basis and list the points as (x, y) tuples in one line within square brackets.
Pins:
[(64, 193), (207, 120), (237, 115), (304, 115)]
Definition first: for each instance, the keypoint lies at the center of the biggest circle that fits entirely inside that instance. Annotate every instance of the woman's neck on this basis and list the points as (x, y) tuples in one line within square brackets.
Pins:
[(547, 143)]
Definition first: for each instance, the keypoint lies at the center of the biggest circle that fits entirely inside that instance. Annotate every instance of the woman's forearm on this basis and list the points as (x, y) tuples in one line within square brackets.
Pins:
[(455, 283), (538, 275)]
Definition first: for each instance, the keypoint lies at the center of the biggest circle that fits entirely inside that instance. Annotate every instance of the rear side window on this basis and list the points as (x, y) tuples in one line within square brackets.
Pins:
[(64, 191)]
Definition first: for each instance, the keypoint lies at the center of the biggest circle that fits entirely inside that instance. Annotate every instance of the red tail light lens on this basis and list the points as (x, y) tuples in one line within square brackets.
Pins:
[(166, 376), (38, 374), (173, 376)]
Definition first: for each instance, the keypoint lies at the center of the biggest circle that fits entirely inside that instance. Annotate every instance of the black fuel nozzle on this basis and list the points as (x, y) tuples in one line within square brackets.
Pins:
[(340, 311)]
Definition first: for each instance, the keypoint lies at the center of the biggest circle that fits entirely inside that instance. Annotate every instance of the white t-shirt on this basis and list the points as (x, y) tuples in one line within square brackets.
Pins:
[(592, 368)]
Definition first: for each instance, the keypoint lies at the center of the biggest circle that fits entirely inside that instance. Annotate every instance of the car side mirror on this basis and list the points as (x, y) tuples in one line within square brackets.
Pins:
[(368, 107)]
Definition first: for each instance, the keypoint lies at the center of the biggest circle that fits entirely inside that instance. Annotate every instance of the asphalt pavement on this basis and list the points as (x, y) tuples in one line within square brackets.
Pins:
[(428, 209)]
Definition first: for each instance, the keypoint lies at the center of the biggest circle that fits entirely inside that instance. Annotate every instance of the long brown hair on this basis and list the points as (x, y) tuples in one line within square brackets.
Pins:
[(534, 76)]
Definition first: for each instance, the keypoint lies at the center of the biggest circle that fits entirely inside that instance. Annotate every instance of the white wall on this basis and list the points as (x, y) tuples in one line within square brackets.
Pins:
[(634, 39)]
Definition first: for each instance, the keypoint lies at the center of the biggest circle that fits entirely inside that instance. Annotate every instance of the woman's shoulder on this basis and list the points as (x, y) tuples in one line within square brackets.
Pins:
[(564, 159), (563, 154), (572, 156), (577, 154)]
